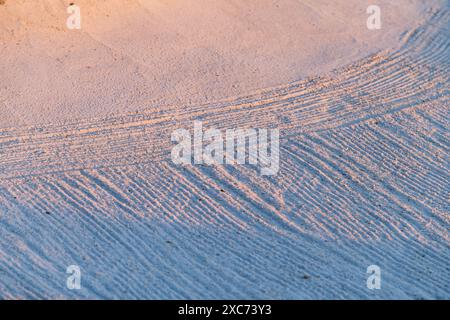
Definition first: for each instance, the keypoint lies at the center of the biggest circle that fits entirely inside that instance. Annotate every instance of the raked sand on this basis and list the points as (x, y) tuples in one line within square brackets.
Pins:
[(86, 176)]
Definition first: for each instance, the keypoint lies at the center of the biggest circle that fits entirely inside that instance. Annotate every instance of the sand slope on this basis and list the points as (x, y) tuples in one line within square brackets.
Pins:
[(363, 180)]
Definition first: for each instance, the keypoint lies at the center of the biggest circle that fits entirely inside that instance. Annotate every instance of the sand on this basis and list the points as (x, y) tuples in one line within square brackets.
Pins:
[(86, 176), (138, 55)]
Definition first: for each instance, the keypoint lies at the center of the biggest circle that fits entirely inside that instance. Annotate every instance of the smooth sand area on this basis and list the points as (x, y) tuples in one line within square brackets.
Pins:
[(147, 54)]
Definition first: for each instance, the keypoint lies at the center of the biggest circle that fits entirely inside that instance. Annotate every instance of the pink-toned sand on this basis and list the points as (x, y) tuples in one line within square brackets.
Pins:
[(136, 55)]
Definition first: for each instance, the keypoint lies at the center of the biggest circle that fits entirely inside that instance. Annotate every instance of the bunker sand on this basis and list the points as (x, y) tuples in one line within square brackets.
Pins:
[(363, 180)]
